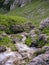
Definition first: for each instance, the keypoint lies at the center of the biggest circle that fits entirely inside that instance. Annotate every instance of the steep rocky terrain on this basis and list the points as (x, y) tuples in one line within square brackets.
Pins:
[(12, 4), (24, 32)]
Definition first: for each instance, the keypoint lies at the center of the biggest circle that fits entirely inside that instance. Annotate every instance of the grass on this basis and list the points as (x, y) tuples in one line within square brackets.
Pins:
[(28, 41), (46, 30), (5, 41), (12, 19)]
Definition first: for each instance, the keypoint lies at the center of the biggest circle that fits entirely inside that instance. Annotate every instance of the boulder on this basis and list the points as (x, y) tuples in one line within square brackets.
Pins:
[(44, 23), (17, 28), (45, 48), (43, 37), (11, 58), (28, 26), (42, 59), (25, 51)]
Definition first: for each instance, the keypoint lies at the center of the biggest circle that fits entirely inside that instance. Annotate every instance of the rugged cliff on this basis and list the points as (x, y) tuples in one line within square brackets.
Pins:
[(11, 4)]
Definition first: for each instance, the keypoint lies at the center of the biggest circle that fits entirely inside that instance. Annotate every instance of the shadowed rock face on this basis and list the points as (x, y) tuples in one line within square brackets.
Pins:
[(13, 3)]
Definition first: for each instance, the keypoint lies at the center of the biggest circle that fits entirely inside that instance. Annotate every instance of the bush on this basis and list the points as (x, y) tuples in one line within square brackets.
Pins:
[(8, 21)]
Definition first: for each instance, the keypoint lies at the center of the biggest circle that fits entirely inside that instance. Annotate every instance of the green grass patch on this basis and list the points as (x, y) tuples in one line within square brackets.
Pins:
[(6, 41), (28, 41), (46, 30)]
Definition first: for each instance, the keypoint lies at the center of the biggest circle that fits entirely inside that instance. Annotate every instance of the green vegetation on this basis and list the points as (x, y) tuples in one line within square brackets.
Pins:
[(14, 36), (36, 11), (46, 30), (41, 43), (7, 21), (5, 41), (11, 20), (28, 41)]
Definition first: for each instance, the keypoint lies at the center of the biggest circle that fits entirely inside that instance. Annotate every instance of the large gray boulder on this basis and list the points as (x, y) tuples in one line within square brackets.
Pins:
[(42, 59), (25, 51), (11, 58)]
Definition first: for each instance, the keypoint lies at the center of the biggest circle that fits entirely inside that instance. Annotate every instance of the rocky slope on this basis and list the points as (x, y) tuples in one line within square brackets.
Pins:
[(37, 51), (21, 42), (11, 4)]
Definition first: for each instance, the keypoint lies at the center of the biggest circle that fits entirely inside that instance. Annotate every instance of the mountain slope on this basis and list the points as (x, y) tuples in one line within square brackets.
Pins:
[(35, 11)]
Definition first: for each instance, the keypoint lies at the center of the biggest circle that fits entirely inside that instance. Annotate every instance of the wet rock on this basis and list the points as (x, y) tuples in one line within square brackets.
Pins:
[(2, 49), (25, 51)]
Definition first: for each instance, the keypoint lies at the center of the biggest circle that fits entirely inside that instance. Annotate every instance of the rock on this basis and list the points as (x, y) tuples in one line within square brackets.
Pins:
[(17, 28), (11, 58), (34, 40), (6, 2), (28, 26), (43, 37), (44, 23), (14, 3), (42, 59), (45, 48), (25, 34), (3, 27), (2, 49), (18, 38), (25, 51)]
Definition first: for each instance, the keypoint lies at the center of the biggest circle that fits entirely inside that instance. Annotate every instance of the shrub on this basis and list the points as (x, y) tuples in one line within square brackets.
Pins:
[(8, 21)]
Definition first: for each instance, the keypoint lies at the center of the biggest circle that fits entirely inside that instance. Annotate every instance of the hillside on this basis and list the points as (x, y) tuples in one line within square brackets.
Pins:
[(24, 32), (35, 11)]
